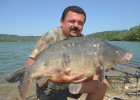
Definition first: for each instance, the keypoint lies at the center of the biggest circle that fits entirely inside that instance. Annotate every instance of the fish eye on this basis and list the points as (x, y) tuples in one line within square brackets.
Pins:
[(117, 52)]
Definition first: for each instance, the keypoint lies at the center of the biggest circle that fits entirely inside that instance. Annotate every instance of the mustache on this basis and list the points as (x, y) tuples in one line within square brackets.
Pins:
[(74, 28)]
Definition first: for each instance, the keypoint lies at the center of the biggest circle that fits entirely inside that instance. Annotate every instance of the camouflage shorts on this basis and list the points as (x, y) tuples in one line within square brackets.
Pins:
[(53, 94)]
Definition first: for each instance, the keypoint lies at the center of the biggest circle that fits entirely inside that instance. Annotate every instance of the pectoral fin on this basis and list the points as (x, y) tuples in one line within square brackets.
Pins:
[(75, 88), (102, 75)]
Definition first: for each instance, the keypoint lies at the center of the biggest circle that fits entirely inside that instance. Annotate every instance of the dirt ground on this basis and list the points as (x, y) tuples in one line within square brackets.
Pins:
[(118, 91)]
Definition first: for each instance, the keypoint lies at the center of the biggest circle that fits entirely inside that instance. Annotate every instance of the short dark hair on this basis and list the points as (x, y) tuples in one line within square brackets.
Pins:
[(73, 9)]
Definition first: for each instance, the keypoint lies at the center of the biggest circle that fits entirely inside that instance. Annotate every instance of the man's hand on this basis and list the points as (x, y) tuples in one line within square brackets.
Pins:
[(64, 78)]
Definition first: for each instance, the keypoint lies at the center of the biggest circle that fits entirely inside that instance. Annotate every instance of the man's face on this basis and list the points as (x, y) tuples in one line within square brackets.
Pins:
[(73, 24)]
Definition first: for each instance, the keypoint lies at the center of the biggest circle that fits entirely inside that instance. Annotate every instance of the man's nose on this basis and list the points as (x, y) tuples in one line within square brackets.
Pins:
[(76, 24)]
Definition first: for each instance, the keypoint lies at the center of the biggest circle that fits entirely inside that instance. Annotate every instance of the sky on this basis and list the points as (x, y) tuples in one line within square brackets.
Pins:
[(35, 17)]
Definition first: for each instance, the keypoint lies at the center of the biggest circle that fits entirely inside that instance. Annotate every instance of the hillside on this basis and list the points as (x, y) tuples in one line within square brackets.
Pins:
[(16, 38), (133, 34)]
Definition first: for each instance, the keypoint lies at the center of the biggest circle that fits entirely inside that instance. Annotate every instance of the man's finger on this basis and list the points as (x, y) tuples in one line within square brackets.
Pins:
[(80, 80), (74, 77)]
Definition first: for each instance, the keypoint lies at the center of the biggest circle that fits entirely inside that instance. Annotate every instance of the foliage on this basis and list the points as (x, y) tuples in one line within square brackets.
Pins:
[(16, 38), (133, 34)]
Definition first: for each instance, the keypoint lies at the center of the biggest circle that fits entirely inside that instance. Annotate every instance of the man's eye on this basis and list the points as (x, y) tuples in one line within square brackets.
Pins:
[(72, 21), (80, 23)]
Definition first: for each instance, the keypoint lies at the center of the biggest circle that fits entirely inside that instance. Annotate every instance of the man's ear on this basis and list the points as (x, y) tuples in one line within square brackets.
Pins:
[(61, 22)]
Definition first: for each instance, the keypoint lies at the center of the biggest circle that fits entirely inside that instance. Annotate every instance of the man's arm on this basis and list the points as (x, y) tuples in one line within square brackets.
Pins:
[(29, 61)]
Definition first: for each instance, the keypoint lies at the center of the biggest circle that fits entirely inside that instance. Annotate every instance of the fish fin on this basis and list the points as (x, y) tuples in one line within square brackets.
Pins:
[(25, 84), (102, 75), (75, 88), (15, 76), (41, 81)]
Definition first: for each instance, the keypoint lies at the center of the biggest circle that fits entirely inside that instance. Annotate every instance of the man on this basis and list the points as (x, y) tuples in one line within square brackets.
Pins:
[(71, 25)]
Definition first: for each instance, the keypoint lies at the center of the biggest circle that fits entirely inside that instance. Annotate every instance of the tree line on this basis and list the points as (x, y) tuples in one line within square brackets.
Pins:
[(133, 34), (16, 38)]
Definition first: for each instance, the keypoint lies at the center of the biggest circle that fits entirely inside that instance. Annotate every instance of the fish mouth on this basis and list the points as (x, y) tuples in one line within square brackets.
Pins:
[(128, 57)]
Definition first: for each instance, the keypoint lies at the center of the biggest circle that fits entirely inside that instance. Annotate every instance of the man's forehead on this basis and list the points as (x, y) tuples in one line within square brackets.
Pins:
[(75, 16)]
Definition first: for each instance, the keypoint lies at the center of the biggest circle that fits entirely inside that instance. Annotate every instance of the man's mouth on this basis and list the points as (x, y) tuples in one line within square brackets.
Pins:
[(74, 31)]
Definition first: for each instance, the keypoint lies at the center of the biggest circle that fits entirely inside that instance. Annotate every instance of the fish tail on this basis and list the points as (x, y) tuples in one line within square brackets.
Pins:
[(25, 84), (15, 76)]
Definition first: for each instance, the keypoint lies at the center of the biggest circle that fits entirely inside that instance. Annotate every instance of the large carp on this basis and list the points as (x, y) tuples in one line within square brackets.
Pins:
[(81, 54)]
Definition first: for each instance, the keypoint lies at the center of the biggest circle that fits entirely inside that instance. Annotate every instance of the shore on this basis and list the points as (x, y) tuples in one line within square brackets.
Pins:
[(119, 91)]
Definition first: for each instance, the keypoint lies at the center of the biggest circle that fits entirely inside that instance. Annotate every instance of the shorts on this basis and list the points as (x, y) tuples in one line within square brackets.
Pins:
[(53, 94)]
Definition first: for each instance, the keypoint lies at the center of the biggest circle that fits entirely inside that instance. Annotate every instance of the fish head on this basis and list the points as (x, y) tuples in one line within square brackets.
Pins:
[(111, 55)]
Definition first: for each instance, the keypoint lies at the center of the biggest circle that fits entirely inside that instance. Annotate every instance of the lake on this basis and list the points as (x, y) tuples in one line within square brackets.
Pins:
[(14, 54)]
